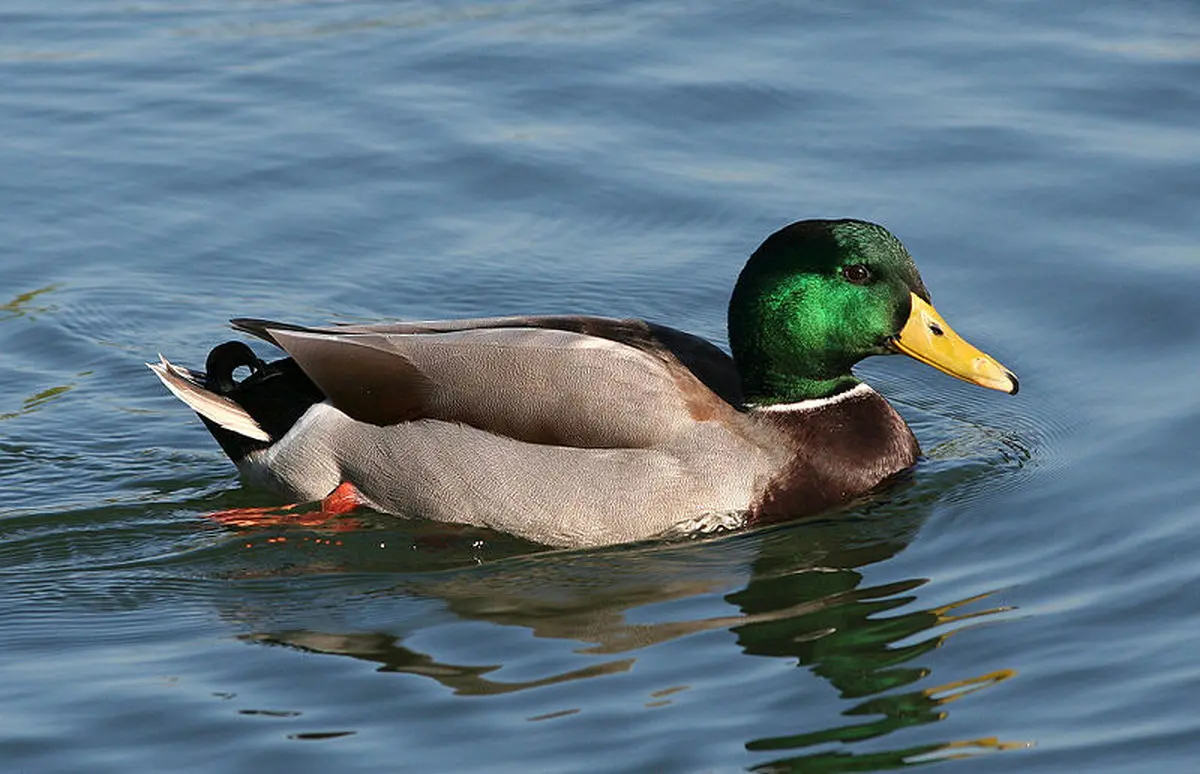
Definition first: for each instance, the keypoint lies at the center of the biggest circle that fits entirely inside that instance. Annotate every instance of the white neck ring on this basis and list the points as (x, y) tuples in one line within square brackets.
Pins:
[(862, 388)]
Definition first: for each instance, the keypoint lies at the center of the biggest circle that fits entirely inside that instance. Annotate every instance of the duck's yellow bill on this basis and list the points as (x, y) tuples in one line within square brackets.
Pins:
[(928, 338)]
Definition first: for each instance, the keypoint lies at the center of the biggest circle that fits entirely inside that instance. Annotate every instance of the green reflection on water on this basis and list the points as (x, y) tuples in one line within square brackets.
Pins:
[(850, 636), (39, 400), (805, 601), (22, 305)]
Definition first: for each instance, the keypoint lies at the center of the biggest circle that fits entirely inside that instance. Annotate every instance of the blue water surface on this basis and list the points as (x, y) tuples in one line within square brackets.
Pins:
[(1022, 603)]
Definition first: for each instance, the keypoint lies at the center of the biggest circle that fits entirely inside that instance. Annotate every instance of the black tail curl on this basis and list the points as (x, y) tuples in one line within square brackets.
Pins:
[(275, 394), (223, 361)]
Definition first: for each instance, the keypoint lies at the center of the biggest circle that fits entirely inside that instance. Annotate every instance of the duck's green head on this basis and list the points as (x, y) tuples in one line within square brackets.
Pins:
[(820, 295)]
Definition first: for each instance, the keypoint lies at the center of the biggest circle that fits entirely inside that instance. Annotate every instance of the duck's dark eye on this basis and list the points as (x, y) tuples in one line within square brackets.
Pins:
[(857, 273)]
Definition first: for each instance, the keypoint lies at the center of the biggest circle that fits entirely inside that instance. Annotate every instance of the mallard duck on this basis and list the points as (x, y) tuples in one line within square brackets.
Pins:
[(584, 431)]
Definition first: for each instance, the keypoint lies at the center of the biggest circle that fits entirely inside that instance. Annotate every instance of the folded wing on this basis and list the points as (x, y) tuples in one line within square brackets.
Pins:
[(570, 381)]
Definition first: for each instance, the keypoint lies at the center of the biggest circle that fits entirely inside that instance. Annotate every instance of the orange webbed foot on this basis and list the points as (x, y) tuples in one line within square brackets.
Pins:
[(342, 500)]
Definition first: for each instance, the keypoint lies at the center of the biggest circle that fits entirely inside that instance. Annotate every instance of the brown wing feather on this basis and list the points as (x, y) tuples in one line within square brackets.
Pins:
[(359, 375)]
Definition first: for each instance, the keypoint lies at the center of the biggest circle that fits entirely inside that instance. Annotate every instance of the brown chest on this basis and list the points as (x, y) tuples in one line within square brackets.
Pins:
[(839, 451)]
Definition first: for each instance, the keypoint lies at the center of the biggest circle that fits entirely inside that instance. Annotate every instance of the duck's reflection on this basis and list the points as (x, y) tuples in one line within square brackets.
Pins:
[(795, 593)]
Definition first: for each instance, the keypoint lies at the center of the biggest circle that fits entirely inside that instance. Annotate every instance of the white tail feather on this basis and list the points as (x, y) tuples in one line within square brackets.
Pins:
[(216, 408)]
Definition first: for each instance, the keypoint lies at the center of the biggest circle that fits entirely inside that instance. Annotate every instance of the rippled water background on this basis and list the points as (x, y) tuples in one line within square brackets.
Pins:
[(1027, 602)]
